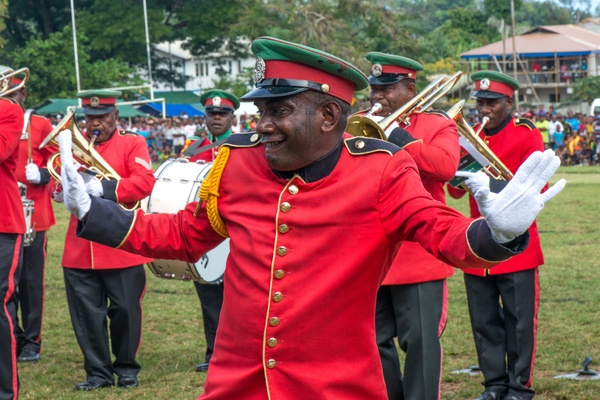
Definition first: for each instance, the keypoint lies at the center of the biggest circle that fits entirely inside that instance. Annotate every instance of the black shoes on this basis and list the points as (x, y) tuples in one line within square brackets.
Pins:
[(28, 356), (127, 381), (492, 394), (202, 367), (512, 395), (91, 385)]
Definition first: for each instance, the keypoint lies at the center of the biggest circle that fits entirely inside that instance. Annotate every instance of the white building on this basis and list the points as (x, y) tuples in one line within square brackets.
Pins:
[(201, 70)]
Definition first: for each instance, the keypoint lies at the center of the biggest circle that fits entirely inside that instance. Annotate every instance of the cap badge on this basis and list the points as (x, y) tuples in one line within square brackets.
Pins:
[(484, 84), (217, 101), (94, 101), (376, 69), (325, 88), (259, 70)]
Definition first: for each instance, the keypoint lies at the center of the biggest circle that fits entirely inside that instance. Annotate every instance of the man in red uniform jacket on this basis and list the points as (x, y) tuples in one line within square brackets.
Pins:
[(505, 335), (12, 228), (412, 301), (31, 290), (96, 274), (299, 300), (219, 107)]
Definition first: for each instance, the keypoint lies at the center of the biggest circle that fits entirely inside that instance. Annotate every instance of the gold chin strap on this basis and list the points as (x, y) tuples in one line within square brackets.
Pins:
[(209, 192)]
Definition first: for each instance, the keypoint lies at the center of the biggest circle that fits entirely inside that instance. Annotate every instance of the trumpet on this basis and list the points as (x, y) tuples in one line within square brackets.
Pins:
[(363, 125), (6, 78), (83, 152), (470, 140)]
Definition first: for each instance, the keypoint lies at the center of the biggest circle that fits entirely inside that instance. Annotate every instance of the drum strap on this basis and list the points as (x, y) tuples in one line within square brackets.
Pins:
[(209, 192)]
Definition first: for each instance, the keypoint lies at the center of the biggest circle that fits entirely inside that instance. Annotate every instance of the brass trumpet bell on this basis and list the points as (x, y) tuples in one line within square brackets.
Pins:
[(83, 153)]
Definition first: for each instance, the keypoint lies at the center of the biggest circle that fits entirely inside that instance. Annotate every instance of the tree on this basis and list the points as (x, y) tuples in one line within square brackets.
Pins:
[(586, 89), (52, 67)]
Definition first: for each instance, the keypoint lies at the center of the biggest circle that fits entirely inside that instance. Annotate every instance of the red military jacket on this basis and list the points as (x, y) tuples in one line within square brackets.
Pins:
[(512, 142), (210, 154), (43, 216), (12, 217), (436, 153), (128, 154), (308, 254)]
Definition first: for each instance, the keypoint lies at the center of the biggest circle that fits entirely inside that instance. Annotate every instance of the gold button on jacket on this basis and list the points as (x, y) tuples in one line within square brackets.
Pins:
[(285, 207), (273, 321), (282, 251), (272, 342), (283, 228), (279, 274), (277, 297), (271, 364), (293, 189)]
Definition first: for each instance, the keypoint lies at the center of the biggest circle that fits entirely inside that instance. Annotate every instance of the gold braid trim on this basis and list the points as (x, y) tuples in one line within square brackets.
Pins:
[(209, 192)]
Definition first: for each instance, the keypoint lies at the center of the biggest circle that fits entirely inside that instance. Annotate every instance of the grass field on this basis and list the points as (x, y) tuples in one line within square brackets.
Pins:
[(173, 337)]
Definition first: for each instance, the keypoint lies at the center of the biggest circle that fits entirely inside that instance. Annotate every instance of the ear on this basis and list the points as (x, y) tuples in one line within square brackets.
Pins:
[(412, 89), (329, 114), (509, 102)]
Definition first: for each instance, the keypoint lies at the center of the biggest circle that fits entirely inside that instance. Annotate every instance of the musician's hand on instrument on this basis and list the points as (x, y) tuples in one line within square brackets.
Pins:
[(32, 173), (58, 194), (77, 200), (511, 212), (391, 128), (93, 186), (475, 180)]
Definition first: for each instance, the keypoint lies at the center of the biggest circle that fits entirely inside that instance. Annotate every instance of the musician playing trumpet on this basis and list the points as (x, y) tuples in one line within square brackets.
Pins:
[(412, 301), (100, 281), (509, 329)]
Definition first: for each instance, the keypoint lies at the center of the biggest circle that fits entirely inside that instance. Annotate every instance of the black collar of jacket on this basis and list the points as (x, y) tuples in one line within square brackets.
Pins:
[(492, 132), (318, 169)]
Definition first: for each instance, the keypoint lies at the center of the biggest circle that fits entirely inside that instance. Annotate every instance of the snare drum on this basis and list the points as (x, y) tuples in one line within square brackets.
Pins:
[(30, 232), (177, 184)]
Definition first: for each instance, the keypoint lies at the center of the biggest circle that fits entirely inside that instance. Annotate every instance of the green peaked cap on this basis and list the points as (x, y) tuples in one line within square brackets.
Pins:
[(390, 59), (103, 94), (98, 102), (309, 69), (493, 84), (387, 69), (221, 94)]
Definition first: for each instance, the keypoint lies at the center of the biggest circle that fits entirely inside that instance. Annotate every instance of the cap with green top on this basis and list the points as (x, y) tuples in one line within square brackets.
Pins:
[(493, 85), (219, 101), (98, 102), (387, 69), (284, 69)]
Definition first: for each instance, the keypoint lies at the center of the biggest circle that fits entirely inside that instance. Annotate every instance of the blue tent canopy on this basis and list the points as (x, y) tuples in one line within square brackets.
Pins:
[(171, 109)]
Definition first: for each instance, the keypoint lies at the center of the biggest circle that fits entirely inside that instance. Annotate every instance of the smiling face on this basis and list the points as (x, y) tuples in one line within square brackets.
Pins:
[(392, 97), (218, 122), (105, 124), (295, 131), (497, 110)]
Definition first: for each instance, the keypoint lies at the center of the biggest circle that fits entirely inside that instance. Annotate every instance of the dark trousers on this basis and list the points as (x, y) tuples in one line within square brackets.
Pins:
[(503, 310), (211, 301), (10, 268), (94, 295), (416, 314), (30, 295)]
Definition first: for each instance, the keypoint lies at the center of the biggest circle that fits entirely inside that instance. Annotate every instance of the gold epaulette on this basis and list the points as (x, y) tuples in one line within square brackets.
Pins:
[(524, 122)]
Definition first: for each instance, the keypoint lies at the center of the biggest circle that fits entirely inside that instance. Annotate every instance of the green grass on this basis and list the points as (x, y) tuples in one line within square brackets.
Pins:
[(173, 337)]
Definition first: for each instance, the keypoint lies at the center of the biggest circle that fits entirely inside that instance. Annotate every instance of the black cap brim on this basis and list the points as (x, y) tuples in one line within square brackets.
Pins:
[(386, 79), (487, 94), (266, 92), (222, 109), (97, 110)]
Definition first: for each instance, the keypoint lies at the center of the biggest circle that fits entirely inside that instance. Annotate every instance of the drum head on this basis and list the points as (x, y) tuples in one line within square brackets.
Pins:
[(211, 267)]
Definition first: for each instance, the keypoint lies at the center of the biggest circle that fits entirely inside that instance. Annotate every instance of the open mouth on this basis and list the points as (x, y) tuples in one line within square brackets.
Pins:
[(270, 145)]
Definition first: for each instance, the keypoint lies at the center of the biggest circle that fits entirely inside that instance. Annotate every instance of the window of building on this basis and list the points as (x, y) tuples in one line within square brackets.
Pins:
[(197, 69)]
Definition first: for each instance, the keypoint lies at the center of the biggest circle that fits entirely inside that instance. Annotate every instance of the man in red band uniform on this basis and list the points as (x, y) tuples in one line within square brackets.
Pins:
[(31, 290), (299, 302), (412, 301), (218, 107), (96, 275), (12, 227), (505, 335)]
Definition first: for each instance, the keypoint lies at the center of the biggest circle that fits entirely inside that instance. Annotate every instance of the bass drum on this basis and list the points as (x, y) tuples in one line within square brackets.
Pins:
[(177, 184)]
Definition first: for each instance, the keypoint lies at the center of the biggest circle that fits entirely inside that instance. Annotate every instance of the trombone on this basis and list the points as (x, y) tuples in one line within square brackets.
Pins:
[(363, 125), (83, 152)]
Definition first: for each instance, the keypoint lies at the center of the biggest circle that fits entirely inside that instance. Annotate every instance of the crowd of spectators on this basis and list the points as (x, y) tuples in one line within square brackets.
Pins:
[(573, 136)]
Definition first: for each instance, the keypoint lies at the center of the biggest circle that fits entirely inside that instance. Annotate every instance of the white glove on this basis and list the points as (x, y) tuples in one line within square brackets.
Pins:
[(92, 185), (58, 194), (32, 173), (475, 180), (511, 212), (77, 200)]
